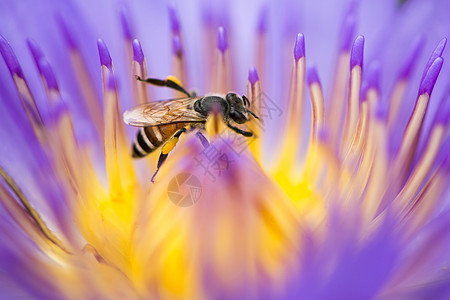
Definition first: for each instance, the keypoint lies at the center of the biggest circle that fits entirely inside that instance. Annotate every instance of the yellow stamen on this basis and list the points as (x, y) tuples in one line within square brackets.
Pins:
[(117, 153), (294, 119)]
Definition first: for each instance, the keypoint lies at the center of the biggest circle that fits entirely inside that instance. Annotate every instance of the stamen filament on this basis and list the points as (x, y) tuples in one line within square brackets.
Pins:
[(139, 69), (261, 43), (411, 135), (400, 86), (25, 95), (117, 154), (352, 115), (317, 104), (294, 118), (222, 67), (255, 96), (422, 168), (85, 82)]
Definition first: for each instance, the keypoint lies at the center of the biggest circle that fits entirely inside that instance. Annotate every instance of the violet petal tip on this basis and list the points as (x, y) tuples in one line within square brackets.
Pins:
[(48, 74), (381, 111), (437, 52), (441, 46), (222, 42), (68, 35), (126, 29), (373, 75), (253, 75), (299, 48), (357, 55), (105, 58), (411, 56), (111, 82), (312, 75), (10, 58), (443, 113), (364, 90), (174, 21), (58, 109), (35, 51), (138, 54), (430, 78), (262, 22), (347, 33), (176, 46)]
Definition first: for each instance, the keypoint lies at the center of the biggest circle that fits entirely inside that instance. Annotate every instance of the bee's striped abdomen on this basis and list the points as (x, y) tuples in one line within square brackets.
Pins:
[(149, 139)]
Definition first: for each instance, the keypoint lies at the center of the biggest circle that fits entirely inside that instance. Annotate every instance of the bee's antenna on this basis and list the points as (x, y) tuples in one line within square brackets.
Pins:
[(253, 114), (245, 99)]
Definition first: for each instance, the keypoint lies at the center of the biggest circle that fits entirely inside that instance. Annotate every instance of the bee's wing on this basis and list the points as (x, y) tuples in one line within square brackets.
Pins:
[(163, 112)]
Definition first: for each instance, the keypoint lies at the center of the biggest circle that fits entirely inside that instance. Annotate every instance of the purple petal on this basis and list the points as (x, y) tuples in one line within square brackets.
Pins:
[(48, 74), (67, 33), (176, 46), (312, 75), (138, 54), (443, 113), (357, 55), (111, 82), (436, 53), (348, 29), (263, 18), (430, 77), (253, 75), (36, 52), (373, 75), (202, 139), (299, 48), (360, 275), (58, 110), (105, 58), (411, 56), (10, 59), (125, 26), (222, 42), (174, 21)]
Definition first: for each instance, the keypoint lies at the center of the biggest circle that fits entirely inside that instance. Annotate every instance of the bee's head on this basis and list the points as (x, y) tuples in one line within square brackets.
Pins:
[(238, 108)]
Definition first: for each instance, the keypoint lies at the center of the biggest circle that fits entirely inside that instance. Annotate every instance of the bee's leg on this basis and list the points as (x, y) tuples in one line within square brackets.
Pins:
[(168, 146), (170, 82), (240, 131)]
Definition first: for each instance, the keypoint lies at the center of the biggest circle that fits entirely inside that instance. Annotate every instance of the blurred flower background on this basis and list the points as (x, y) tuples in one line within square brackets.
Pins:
[(342, 195)]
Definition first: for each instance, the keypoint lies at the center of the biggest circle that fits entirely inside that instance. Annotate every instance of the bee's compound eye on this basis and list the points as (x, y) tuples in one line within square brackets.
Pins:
[(238, 117)]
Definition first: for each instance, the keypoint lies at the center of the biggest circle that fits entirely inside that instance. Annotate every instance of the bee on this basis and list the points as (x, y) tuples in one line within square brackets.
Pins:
[(163, 122)]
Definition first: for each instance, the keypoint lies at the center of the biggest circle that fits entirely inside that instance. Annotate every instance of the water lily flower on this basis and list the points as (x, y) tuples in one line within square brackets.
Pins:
[(341, 192)]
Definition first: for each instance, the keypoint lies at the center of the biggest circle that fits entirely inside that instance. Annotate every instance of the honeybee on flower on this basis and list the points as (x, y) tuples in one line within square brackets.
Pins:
[(347, 201)]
